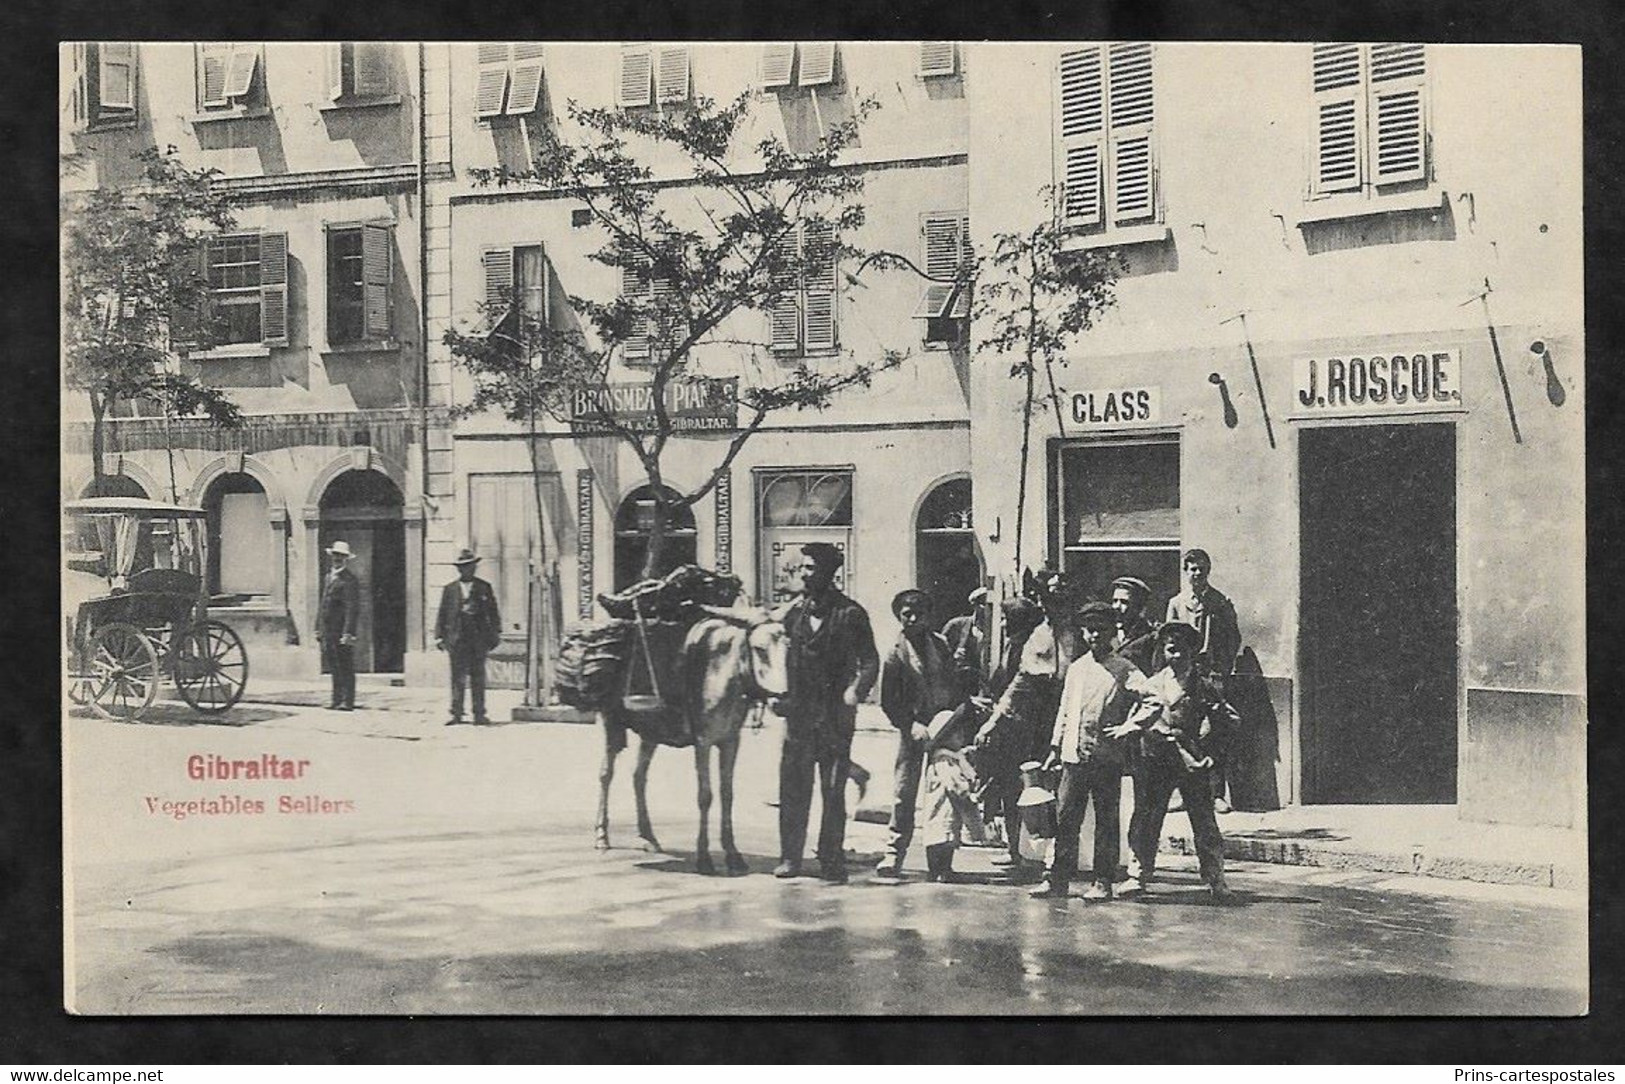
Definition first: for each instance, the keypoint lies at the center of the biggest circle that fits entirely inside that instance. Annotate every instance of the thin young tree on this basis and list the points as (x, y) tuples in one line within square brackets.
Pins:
[(1033, 300), (131, 273), (744, 231)]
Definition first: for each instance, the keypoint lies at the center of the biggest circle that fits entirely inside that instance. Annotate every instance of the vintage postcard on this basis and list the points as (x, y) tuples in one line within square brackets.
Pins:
[(1099, 525)]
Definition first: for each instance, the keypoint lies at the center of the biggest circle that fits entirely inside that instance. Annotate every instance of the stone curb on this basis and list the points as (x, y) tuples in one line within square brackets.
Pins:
[(1416, 861)]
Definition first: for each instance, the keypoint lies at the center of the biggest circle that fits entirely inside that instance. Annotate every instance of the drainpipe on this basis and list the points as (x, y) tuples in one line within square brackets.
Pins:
[(423, 333)]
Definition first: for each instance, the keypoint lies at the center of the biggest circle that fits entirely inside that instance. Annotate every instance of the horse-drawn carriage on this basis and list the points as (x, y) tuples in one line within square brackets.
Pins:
[(134, 587)]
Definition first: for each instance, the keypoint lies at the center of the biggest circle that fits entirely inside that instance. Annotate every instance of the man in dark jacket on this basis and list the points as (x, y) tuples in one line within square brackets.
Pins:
[(465, 629), (335, 625), (832, 666), (916, 682)]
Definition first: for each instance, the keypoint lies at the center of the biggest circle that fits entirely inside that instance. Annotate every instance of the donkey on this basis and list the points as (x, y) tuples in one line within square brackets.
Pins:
[(731, 659)]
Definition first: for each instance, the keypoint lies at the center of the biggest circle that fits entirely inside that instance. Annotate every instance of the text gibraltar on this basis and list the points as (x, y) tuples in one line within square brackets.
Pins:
[(266, 766)]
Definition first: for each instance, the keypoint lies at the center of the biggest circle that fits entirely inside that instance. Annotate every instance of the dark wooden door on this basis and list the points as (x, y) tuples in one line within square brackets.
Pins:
[(1378, 620)]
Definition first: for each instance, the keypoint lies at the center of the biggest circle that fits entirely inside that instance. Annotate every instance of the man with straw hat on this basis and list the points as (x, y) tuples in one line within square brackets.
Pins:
[(336, 618), (466, 628)]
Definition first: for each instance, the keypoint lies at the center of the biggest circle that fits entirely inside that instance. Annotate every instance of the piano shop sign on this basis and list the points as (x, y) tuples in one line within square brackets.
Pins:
[(694, 405), (1413, 382)]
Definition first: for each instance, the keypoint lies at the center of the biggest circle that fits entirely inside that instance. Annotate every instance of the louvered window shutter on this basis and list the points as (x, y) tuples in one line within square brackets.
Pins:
[(1129, 100), (340, 63), (373, 69), (77, 85), (491, 93), (526, 91), (672, 78), (817, 63), (936, 58), (1083, 147), (1398, 112), (240, 75), (777, 58), (636, 67), (376, 274), (635, 288), (818, 286), (115, 76), (961, 306), (1339, 117), (667, 321), (941, 262), (784, 318), (274, 289), (213, 60), (498, 280)]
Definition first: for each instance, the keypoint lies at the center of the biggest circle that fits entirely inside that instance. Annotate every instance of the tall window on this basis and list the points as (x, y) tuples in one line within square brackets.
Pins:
[(515, 273), (947, 559), (945, 307), (651, 74), (659, 314), (229, 76), (1118, 512), (794, 507), (248, 289), (101, 93), (360, 268), (1107, 160), (510, 79), (1371, 117), (780, 68), (803, 319), (634, 522), (240, 537)]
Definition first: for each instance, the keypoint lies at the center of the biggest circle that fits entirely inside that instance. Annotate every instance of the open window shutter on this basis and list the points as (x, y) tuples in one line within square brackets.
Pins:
[(668, 321), (527, 78), (213, 60), (635, 76), (777, 58), (498, 278), (1339, 118), (491, 94), (784, 318), (936, 58), (941, 262), (672, 78), (186, 324), (274, 289), (375, 279), (340, 63), (1083, 136), (961, 306), (373, 70), (76, 88), (1398, 113), (240, 75), (817, 63), (1129, 98), (635, 288), (818, 264), (116, 76)]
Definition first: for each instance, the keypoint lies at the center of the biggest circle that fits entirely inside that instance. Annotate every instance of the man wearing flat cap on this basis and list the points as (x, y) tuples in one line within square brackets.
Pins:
[(916, 682), (1207, 610), (832, 666), (467, 627), (1133, 638)]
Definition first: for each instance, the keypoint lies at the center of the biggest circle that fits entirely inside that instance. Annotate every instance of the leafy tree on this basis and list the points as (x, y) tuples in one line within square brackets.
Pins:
[(1033, 299), (131, 268), (737, 235)]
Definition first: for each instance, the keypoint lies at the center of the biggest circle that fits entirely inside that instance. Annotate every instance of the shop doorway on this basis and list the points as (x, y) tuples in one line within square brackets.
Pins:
[(1377, 613), (634, 521), (947, 560), (363, 508)]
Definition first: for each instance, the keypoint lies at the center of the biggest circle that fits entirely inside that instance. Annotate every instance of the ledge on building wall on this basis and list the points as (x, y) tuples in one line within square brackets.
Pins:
[(378, 346), (239, 350), (229, 114), (359, 103), (1341, 208), (1151, 234)]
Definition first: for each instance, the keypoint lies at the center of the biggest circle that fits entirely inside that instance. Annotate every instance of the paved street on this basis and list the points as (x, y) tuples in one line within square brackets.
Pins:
[(464, 880)]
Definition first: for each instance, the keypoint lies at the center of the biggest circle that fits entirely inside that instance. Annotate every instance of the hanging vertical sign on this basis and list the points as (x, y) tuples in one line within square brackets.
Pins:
[(723, 496), (584, 591)]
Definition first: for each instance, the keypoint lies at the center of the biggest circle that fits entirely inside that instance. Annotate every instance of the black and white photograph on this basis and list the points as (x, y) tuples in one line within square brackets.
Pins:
[(823, 528)]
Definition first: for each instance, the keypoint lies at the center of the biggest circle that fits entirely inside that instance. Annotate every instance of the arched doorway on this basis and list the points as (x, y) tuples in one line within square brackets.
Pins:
[(85, 540), (947, 558), (633, 522), (241, 543), (363, 508)]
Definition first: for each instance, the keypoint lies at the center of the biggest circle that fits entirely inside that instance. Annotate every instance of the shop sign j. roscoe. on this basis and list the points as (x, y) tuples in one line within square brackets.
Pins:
[(1381, 383), (691, 405)]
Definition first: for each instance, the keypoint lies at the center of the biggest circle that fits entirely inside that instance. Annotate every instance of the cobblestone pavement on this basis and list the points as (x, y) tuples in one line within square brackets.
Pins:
[(464, 881)]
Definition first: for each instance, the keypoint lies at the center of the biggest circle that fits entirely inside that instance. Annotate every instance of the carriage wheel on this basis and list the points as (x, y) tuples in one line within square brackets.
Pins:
[(122, 681), (211, 667)]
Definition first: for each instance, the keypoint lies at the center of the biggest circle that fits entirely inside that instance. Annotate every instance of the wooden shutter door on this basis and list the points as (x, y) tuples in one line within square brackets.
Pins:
[(1082, 142), (636, 78), (777, 58), (672, 78), (376, 273), (817, 63), (527, 78), (373, 68), (491, 93), (818, 263), (240, 73), (116, 76), (1398, 112), (498, 264), (1339, 100), (1130, 100), (961, 306), (213, 60), (941, 262), (274, 289)]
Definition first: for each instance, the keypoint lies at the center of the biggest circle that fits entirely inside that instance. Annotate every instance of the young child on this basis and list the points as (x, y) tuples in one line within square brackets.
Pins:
[(950, 786)]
